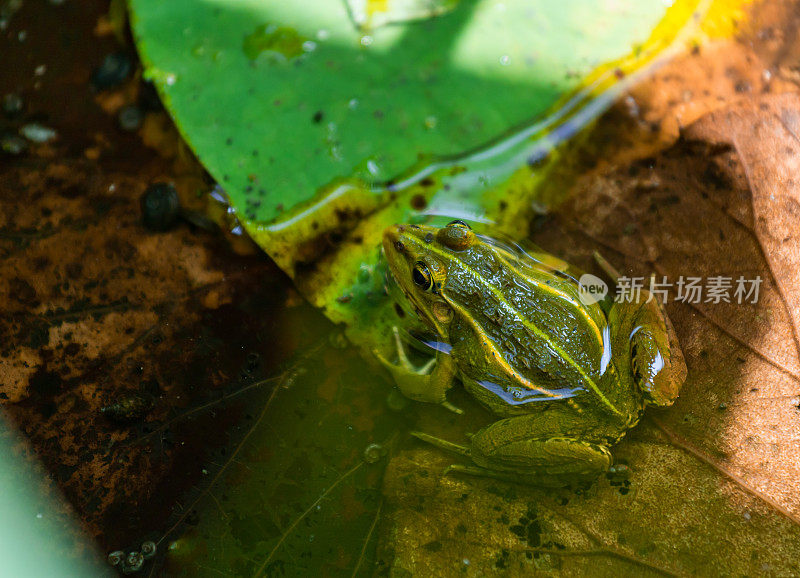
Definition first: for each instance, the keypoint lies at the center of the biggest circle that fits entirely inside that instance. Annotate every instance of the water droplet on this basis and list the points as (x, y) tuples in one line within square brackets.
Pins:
[(323, 34), (373, 167), (309, 46), (366, 40), (353, 104), (37, 133), (430, 122), (130, 118), (505, 59)]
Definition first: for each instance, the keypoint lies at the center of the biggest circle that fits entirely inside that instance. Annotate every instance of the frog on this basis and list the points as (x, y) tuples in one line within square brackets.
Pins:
[(565, 377)]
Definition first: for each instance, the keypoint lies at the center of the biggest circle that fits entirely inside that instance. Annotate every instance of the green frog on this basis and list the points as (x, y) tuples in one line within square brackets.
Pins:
[(566, 375)]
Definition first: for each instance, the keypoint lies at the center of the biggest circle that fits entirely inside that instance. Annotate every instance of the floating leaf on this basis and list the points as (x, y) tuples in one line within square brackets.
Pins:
[(320, 149)]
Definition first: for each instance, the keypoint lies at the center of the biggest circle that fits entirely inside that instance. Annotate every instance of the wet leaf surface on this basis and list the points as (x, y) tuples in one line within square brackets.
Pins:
[(281, 102)]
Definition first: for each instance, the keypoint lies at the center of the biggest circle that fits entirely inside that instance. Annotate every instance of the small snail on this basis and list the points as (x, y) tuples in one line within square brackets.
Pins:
[(373, 453), (133, 562)]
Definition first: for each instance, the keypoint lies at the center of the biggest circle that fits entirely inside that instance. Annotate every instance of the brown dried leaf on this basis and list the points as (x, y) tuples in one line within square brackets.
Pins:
[(714, 483)]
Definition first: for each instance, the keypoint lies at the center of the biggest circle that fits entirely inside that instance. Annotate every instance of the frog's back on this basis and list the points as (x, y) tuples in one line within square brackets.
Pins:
[(528, 337)]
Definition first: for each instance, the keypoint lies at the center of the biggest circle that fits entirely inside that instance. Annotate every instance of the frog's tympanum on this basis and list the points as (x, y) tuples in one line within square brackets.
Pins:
[(567, 378)]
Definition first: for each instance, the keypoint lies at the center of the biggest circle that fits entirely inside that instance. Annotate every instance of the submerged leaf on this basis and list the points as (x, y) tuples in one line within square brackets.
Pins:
[(713, 483)]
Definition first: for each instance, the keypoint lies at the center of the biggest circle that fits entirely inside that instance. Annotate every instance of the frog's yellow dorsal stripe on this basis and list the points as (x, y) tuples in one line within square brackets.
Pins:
[(498, 357), (545, 287), (531, 327)]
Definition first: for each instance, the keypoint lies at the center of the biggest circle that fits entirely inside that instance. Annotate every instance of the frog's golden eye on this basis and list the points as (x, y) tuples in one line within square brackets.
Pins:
[(458, 223), (422, 275)]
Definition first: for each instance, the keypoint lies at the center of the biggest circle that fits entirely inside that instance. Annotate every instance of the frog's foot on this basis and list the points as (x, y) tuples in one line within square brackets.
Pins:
[(428, 383), (441, 444), (403, 362), (529, 479), (499, 475)]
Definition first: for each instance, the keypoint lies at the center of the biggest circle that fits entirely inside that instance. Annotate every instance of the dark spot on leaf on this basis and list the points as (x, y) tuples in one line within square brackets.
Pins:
[(45, 383), (418, 202), (434, 546), (22, 292)]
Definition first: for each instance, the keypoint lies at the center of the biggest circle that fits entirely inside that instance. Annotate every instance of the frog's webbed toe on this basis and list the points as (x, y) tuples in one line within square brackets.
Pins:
[(441, 443), (403, 362)]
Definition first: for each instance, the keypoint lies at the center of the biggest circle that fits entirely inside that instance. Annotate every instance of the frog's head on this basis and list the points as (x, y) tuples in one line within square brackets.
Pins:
[(419, 258)]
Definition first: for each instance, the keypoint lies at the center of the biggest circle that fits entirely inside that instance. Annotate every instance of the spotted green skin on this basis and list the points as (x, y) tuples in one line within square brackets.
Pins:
[(567, 378)]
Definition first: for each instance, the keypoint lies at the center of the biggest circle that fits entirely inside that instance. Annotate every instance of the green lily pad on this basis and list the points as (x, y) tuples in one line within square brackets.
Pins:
[(279, 99), (323, 133), (370, 14)]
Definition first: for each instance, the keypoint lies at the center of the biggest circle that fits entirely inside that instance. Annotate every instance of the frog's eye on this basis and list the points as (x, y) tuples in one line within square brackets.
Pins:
[(457, 236), (422, 275), (458, 223)]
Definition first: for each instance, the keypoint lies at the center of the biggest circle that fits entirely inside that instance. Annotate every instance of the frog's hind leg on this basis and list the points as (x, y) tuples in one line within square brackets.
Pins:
[(554, 447)]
